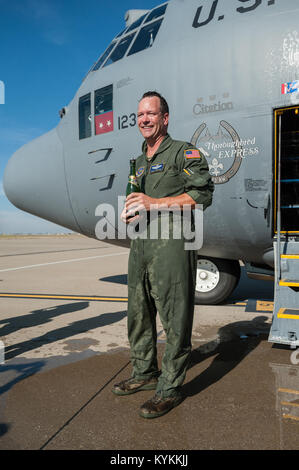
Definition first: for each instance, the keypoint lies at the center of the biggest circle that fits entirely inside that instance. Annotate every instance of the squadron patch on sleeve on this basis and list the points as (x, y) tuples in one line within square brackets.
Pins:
[(140, 171), (191, 153)]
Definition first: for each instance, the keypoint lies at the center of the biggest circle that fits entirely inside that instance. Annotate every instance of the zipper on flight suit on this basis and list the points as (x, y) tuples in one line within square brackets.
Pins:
[(149, 162)]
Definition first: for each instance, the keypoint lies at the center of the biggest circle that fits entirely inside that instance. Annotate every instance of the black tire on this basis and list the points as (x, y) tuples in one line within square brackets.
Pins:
[(222, 277)]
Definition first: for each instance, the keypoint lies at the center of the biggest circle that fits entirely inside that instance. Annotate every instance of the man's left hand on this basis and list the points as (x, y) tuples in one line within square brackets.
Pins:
[(139, 201), (136, 202)]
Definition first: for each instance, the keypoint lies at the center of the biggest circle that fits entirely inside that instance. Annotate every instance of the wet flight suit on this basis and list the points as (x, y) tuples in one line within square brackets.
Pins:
[(161, 273)]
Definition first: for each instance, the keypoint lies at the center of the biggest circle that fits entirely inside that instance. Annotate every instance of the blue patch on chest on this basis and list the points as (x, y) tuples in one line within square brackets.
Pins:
[(157, 167), (140, 171)]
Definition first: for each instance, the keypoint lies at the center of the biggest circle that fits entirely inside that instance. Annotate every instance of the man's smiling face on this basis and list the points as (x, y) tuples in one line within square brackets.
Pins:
[(151, 122)]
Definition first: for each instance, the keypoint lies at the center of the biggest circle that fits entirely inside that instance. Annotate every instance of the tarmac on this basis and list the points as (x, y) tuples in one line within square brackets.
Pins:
[(63, 328)]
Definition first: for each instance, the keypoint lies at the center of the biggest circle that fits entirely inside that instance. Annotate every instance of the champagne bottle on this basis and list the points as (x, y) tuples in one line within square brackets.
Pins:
[(132, 186)]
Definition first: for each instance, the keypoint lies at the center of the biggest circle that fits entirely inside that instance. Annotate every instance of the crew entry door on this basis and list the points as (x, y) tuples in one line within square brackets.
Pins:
[(285, 321), (287, 170)]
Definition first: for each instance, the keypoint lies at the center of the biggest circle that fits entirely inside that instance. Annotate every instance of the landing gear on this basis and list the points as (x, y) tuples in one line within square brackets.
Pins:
[(216, 279)]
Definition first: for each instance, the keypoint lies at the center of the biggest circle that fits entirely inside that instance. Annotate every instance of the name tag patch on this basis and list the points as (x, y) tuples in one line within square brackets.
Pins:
[(157, 167), (191, 153), (140, 171)]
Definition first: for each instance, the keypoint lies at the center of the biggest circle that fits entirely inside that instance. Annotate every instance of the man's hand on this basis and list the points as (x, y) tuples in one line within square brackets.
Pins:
[(139, 202), (136, 202)]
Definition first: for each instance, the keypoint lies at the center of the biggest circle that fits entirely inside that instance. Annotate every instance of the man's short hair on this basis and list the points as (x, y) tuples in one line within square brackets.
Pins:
[(163, 103)]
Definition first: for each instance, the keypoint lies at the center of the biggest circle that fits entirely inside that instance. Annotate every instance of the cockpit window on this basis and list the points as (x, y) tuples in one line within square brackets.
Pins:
[(121, 33), (103, 110), (84, 116), (104, 56), (120, 49), (136, 23), (156, 13), (145, 37), (124, 44)]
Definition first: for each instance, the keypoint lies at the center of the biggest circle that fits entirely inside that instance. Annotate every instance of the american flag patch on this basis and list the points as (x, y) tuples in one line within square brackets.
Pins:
[(289, 87), (192, 153)]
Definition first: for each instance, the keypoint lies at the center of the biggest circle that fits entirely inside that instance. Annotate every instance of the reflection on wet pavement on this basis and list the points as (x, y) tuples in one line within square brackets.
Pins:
[(287, 403)]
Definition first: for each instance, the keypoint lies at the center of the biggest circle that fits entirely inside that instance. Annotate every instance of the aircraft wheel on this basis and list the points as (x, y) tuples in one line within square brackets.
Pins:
[(216, 278)]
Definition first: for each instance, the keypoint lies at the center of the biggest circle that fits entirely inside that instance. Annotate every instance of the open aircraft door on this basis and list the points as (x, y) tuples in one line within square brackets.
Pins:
[(285, 324)]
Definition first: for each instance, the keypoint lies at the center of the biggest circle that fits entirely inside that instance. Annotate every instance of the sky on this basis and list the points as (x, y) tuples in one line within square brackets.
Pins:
[(46, 49)]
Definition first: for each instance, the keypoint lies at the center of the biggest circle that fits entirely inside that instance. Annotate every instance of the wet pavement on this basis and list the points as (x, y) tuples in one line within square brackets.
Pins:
[(63, 356)]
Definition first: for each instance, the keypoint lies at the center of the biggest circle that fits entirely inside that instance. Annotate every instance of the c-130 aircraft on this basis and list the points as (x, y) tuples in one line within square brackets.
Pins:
[(229, 72)]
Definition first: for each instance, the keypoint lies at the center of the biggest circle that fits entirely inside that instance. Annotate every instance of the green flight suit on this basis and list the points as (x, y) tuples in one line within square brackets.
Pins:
[(161, 273)]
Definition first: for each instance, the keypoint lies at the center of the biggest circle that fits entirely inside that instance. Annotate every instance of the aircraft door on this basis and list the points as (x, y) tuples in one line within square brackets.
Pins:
[(287, 170), (285, 326)]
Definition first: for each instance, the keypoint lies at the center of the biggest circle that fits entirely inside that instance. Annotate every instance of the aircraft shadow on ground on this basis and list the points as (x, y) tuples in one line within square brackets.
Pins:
[(234, 342), (39, 317), (19, 372), (118, 279)]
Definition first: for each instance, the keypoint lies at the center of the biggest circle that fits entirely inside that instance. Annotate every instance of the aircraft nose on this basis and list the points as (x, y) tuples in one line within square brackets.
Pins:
[(34, 181)]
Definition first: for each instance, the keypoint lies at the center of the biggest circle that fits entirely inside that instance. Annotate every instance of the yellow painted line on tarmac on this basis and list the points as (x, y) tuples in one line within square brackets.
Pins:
[(265, 306), (253, 305), (63, 297)]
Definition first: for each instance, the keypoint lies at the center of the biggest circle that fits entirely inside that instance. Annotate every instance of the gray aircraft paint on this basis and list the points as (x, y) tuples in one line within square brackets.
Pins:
[(220, 65)]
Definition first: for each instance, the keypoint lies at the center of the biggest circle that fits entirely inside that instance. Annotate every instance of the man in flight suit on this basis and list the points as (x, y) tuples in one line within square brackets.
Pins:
[(162, 273)]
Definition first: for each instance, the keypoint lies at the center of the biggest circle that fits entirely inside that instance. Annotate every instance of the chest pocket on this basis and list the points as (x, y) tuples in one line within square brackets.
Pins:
[(170, 182)]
